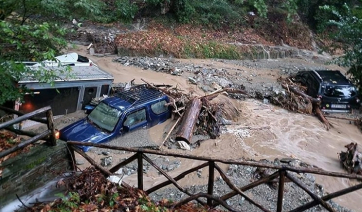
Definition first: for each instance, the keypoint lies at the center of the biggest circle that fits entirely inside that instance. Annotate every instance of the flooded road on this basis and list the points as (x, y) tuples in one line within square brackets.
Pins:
[(261, 131)]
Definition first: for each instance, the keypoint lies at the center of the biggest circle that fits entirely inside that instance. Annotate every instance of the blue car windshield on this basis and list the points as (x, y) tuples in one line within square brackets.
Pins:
[(104, 116), (340, 91)]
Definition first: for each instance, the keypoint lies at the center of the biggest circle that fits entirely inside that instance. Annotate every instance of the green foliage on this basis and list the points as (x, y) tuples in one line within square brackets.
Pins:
[(261, 7), (317, 18), (125, 10), (291, 7), (217, 13), (27, 42), (211, 49), (184, 11), (148, 206), (70, 202), (350, 33), (54, 9)]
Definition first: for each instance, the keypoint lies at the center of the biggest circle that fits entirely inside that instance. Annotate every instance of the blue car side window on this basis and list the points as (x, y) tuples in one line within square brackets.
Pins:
[(135, 118), (159, 107)]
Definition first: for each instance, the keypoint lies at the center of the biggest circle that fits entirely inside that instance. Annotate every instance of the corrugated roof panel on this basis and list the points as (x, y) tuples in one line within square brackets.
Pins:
[(82, 73)]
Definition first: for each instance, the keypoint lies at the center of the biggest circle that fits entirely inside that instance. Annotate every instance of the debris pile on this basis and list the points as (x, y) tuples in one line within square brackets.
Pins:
[(197, 115), (91, 191), (351, 160), (8, 140), (293, 98)]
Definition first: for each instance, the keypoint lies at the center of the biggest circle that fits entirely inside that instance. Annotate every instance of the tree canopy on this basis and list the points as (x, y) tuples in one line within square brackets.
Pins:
[(32, 30)]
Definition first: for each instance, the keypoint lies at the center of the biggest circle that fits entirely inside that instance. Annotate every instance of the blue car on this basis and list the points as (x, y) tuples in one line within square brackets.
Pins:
[(139, 107)]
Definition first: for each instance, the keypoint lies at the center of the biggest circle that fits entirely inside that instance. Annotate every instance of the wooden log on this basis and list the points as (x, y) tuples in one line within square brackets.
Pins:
[(321, 117), (305, 96), (189, 120), (169, 133)]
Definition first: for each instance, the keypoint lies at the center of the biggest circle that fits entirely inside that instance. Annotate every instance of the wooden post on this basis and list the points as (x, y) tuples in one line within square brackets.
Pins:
[(72, 156), (281, 190), (210, 187), (50, 123), (140, 170)]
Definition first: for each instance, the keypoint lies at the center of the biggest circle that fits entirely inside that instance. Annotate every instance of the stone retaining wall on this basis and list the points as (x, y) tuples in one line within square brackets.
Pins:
[(28, 171)]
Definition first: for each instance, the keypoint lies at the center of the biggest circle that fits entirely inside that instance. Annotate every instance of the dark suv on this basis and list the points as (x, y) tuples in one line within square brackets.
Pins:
[(334, 90), (127, 111)]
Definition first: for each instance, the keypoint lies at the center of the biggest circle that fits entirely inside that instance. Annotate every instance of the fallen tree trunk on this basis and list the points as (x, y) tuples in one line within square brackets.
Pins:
[(189, 120), (305, 96), (320, 115), (315, 103)]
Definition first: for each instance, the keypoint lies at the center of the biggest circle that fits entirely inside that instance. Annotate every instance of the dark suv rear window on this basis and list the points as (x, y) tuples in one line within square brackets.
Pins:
[(340, 91)]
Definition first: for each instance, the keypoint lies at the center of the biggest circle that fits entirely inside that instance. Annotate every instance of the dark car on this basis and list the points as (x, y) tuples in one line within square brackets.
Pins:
[(127, 111), (336, 92)]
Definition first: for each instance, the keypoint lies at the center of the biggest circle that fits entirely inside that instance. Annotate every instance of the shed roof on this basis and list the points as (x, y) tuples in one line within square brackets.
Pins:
[(78, 73)]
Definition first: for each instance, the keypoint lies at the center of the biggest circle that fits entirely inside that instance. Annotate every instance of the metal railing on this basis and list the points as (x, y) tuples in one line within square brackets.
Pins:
[(48, 134), (283, 173)]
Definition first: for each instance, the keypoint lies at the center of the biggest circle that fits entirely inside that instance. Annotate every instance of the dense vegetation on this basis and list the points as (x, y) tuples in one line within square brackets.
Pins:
[(32, 30)]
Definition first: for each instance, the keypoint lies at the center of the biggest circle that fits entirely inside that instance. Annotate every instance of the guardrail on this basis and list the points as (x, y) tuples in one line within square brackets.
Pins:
[(48, 134), (283, 173)]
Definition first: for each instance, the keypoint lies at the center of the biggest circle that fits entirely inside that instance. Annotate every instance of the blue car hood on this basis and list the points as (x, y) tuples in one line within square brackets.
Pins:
[(83, 131)]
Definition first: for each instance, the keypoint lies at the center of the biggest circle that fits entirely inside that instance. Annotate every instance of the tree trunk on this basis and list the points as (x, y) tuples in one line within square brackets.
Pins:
[(189, 120)]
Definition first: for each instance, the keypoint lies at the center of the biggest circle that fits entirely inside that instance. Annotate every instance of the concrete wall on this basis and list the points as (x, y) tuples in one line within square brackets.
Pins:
[(28, 171)]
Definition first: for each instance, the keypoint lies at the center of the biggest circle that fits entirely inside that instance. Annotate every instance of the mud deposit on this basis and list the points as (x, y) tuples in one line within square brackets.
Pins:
[(261, 131)]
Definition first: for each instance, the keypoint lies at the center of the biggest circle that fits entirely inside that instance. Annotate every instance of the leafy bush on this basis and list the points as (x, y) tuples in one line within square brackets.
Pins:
[(217, 13), (125, 10)]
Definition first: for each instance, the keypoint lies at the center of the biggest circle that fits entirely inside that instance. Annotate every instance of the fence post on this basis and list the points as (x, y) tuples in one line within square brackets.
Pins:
[(50, 123), (281, 190), (210, 188), (140, 170), (72, 156)]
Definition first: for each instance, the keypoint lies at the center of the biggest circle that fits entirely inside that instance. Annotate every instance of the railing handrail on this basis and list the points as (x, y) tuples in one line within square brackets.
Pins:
[(227, 161), (282, 173), (49, 132)]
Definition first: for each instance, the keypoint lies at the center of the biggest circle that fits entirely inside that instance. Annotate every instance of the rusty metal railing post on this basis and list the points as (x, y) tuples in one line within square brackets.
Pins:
[(281, 190), (140, 170), (50, 123), (210, 187)]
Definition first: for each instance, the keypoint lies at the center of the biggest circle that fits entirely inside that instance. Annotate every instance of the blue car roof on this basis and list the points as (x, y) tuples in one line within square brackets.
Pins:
[(135, 96), (118, 103)]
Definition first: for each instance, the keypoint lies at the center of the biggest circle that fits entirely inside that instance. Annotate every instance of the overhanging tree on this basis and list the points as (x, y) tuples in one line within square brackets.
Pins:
[(29, 32), (350, 34)]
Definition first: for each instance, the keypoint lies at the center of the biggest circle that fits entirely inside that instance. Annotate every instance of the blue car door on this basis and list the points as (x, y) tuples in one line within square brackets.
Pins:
[(135, 120), (159, 112)]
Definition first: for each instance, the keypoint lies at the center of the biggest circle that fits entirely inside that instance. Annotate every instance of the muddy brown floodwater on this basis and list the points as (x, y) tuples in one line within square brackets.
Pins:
[(262, 131)]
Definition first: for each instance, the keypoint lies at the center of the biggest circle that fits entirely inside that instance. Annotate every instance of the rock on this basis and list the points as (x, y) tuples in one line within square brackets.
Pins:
[(107, 161)]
